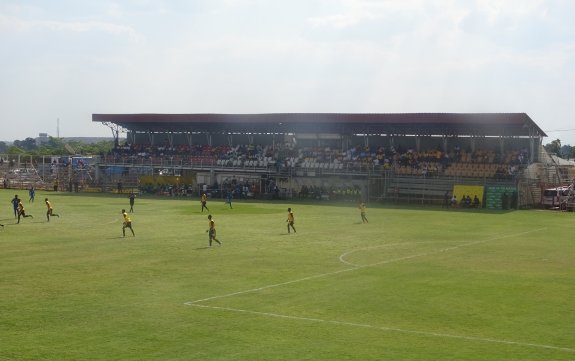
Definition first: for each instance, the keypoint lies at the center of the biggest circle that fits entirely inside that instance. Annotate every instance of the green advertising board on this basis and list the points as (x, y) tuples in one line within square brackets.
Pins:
[(496, 194)]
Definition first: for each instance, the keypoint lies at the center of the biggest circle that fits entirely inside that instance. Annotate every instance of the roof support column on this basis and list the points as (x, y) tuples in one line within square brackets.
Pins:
[(151, 137), (533, 148), (502, 145), (472, 144), (444, 143), (171, 139), (132, 137), (209, 139), (417, 143), (189, 139), (230, 140)]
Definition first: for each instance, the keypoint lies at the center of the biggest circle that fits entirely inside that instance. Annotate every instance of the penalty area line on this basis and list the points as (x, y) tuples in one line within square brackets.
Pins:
[(466, 244), (356, 267), (386, 328)]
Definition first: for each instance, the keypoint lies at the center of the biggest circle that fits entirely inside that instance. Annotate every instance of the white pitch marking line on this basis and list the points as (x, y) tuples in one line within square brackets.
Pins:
[(270, 286), (356, 267), (385, 328), (466, 244), (435, 334), (343, 255)]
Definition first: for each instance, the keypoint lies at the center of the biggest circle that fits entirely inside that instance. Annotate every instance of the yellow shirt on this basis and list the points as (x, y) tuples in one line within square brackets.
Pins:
[(290, 217), (204, 198), (48, 205), (126, 218), (212, 224)]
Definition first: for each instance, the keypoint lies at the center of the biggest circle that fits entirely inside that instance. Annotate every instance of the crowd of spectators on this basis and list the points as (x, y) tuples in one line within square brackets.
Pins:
[(285, 156)]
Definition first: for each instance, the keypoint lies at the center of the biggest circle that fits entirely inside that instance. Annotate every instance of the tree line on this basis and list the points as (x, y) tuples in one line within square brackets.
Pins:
[(55, 146), (562, 151)]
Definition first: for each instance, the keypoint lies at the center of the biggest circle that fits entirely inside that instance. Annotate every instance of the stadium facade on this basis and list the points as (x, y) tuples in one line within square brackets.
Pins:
[(413, 157)]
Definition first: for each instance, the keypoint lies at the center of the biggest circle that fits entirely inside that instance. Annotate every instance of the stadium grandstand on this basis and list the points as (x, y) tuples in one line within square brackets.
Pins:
[(416, 158)]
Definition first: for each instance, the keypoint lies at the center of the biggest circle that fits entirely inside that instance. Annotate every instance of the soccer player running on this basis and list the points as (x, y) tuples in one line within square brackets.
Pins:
[(127, 223), (15, 202), (361, 207), (204, 201), (290, 221), (212, 230), (21, 211), (50, 211)]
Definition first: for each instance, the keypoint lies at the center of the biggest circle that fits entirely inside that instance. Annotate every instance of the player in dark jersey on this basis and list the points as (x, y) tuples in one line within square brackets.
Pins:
[(15, 202), (132, 197)]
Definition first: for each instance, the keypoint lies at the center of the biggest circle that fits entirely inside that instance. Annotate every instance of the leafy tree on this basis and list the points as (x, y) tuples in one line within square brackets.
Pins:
[(554, 147), (14, 150), (28, 144), (565, 151)]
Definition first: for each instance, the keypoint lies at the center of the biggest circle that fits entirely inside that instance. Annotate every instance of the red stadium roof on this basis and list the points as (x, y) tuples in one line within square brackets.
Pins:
[(479, 124)]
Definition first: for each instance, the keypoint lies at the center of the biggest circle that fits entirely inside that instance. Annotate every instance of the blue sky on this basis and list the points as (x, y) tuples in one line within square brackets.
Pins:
[(68, 59)]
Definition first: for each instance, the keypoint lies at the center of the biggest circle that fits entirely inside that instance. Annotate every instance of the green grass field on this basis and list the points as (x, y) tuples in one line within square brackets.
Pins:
[(413, 284)]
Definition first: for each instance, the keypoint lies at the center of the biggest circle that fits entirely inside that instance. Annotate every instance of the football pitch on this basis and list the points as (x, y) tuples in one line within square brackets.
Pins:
[(412, 284)]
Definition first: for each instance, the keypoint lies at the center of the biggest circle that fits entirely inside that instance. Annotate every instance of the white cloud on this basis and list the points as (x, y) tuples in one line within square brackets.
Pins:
[(10, 23)]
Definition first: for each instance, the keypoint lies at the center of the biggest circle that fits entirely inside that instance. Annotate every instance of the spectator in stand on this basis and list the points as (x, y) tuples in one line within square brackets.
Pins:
[(476, 202), (446, 199), (454, 201)]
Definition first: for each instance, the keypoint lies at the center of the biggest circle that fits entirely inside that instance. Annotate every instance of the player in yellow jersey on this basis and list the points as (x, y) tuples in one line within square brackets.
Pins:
[(361, 207), (290, 221), (50, 211), (212, 230), (127, 223), (21, 211), (204, 200)]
